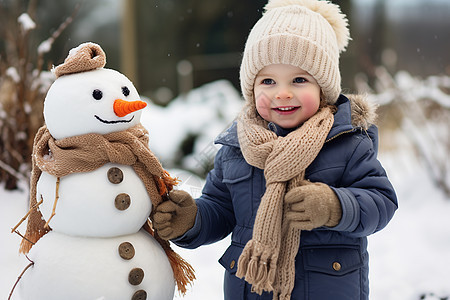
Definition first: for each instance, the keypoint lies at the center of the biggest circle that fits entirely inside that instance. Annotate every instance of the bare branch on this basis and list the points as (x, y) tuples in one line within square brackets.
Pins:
[(26, 215), (18, 279), (46, 226), (13, 172), (46, 45)]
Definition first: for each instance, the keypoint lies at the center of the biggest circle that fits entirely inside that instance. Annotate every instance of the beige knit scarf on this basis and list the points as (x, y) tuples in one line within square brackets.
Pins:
[(268, 260), (88, 152)]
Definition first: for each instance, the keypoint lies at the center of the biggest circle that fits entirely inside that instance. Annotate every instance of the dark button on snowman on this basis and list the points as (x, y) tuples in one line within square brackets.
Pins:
[(98, 182), (126, 250), (115, 175)]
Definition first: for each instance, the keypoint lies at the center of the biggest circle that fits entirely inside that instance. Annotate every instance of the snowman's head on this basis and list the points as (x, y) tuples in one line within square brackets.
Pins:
[(86, 98), (99, 101)]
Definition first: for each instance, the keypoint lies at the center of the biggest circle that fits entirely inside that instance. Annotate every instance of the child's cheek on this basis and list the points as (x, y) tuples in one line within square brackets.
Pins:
[(263, 107), (310, 102), (263, 112)]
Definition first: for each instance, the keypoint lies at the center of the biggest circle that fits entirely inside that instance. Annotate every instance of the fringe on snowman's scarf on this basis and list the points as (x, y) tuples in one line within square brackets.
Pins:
[(183, 272), (36, 224), (166, 183)]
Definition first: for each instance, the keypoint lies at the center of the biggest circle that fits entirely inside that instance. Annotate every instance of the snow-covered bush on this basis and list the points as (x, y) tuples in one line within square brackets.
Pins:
[(419, 109), (182, 134), (23, 85)]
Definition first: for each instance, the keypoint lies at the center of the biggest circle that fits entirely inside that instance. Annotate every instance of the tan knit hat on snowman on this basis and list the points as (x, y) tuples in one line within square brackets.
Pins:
[(309, 34)]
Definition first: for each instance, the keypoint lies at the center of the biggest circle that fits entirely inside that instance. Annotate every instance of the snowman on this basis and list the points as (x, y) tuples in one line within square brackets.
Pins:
[(93, 185)]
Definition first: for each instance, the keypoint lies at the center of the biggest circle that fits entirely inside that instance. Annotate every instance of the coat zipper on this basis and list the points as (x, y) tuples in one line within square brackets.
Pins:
[(339, 134)]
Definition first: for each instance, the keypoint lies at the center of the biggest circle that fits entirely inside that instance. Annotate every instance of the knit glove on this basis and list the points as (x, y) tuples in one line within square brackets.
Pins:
[(175, 217), (312, 205)]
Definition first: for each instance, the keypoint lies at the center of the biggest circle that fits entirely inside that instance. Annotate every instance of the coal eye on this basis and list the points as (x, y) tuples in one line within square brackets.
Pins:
[(97, 94), (125, 91)]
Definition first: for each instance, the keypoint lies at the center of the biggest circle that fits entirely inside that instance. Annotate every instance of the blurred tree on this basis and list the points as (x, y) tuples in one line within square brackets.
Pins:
[(348, 61), (23, 84), (209, 34), (401, 35)]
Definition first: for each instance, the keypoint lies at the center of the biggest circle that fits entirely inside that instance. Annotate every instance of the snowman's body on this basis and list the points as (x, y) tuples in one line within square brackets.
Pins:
[(83, 268), (98, 221), (87, 204), (97, 248)]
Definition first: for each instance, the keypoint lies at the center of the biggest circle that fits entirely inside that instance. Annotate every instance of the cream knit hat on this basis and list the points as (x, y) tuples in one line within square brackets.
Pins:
[(309, 34)]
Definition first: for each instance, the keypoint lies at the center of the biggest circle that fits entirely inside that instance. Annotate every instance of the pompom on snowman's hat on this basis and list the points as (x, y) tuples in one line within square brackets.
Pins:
[(86, 57), (309, 34)]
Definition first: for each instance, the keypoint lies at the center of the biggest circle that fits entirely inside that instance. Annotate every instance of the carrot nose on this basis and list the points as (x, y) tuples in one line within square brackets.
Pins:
[(123, 108)]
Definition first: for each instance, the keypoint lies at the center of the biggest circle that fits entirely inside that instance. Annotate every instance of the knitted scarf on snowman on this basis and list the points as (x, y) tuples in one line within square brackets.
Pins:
[(88, 152), (268, 259)]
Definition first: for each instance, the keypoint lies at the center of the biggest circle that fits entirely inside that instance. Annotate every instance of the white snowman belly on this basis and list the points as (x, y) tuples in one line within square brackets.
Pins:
[(109, 201), (126, 267)]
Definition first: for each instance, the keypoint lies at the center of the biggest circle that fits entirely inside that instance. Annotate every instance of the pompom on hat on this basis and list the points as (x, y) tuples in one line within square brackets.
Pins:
[(309, 34)]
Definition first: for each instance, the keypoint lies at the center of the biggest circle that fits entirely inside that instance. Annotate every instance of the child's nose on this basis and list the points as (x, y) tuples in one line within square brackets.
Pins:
[(284, 94)]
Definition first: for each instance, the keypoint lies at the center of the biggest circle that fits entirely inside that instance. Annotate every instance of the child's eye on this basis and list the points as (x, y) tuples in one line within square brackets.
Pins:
[(268, 81), (300, 80)]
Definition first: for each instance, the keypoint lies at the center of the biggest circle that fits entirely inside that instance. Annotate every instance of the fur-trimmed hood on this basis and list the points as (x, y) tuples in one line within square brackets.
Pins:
[(363, 112)]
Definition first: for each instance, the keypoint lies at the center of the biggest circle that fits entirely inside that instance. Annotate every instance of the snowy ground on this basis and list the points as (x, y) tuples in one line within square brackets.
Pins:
[(409, 258)]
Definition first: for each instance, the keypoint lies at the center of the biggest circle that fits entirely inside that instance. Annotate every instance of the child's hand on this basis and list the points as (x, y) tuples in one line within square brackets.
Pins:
[(312, 205), (175, 217)]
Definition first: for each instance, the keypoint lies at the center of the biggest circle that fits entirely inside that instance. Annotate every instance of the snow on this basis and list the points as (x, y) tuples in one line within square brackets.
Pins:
[(205, 112), (11, 263), (26, 22), (13, 74), (406, 87), (74, 51), (43, 80), (410, 256), (45, 46), (409, 259)]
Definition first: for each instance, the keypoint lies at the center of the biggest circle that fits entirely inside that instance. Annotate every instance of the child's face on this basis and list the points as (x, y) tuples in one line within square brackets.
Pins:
[(286, 95)]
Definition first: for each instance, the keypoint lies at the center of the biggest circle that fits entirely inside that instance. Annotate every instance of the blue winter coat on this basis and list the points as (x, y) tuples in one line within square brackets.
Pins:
[(348, 164)]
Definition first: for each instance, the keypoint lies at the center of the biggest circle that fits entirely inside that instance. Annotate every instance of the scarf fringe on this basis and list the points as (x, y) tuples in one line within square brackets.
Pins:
[(258, 264), (277, 296), (166, 183), (31, 237), (183, 272)]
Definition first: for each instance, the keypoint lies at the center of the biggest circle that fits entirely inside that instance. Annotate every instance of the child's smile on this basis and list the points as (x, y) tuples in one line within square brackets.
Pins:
[(286, 110)]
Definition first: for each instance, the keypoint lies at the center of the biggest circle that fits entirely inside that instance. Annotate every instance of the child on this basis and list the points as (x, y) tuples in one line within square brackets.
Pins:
[(297, 181)]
